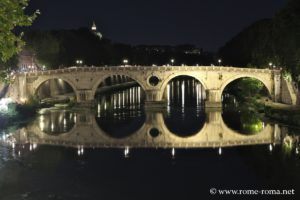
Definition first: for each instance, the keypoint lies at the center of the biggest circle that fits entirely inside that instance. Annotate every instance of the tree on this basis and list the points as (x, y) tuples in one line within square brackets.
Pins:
[(12, 15), (44, 46), (275, 40)]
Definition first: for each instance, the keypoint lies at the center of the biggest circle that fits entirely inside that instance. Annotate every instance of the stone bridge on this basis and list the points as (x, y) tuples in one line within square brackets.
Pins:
[(88, 134), (153, 80)]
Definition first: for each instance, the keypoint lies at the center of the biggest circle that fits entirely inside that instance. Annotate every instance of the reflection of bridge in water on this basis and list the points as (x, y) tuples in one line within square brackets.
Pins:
[(152, 134)]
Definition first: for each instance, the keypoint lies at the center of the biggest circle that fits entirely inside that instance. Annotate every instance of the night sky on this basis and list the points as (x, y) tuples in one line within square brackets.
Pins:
[(205, 23)]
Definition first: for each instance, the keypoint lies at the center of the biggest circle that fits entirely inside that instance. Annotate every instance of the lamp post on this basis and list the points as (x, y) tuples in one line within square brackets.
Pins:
[(79, 62), (125, 61), (172, 61), (270, 64), (219, 61)]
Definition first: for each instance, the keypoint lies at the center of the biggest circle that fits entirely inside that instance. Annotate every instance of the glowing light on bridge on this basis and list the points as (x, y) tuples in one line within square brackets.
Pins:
[(168, 94), (125, 62), (65, 122), (220, 151), (172, 61), (182, 93), (52, 126), (42, 125), (130, 96), (219, 61), (99, 109), (197, 94), (123, 99), (178, 89), (139, 95), (79, 62), (114, 97)]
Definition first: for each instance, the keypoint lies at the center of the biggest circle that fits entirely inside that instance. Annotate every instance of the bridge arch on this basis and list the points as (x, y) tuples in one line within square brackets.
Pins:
[(103, 78), (266, 83), (42, 81), (172, 76)]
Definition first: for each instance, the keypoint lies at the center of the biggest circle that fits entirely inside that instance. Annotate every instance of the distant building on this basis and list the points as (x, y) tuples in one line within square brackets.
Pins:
[(195, 51), (27, 61), (185, 49), (94, 30)]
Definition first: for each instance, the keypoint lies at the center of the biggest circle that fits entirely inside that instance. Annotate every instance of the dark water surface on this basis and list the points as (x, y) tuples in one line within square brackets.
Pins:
[(122, 151)]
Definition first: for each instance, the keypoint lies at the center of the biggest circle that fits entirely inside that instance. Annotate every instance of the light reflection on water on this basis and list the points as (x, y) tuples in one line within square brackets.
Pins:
[(120, 116), (122, 142), (119, 120)]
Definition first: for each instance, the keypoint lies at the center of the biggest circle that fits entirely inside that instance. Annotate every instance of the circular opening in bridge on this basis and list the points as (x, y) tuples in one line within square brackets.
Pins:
[(154, 132), (119, 106), (55, 91), (185, 114), (153, 80), (56, 122), (243, 101)]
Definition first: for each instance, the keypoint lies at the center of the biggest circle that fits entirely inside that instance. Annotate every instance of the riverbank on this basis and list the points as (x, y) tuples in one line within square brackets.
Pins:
[(17, 114), (283, 113)]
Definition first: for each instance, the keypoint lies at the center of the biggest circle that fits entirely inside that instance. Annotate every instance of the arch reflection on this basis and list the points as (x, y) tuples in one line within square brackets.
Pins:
[(246, 122), (56, 122), (185, 115), (120, 113), (119, 106), (152, 134)]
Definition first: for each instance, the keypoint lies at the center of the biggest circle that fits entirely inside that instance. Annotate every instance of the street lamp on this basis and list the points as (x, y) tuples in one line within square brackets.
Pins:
[(125, 61), (219, 61), (79, 62), (172, 61), (270, 64)]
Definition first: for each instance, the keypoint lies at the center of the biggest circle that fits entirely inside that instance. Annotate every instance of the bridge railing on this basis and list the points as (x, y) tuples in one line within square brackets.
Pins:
[(148, 68)]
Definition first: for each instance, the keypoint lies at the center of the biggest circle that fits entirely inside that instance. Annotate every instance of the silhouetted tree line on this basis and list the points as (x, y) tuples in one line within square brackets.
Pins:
[(61, 48), (275, 40)]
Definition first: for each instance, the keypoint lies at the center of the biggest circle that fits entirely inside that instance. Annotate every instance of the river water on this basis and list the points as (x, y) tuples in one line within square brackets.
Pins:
[(120, 150)]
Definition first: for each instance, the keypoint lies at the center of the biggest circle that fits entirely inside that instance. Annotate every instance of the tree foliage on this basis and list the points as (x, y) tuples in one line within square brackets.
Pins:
[(275, 40), (55, 48), (12, 15), (244, 89), (44, 46)]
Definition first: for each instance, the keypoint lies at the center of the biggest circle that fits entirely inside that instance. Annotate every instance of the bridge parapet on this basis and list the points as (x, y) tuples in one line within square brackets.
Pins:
[(85, 80), (149, 68)]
